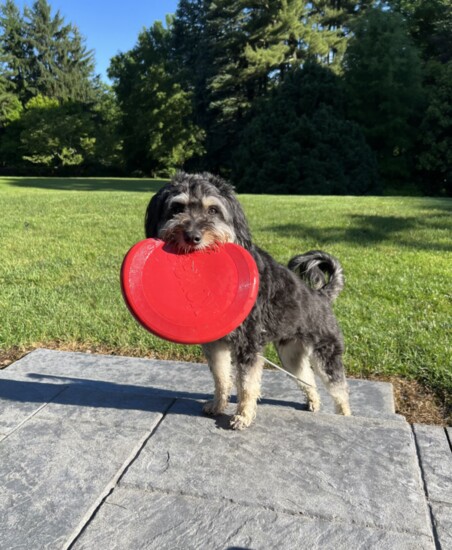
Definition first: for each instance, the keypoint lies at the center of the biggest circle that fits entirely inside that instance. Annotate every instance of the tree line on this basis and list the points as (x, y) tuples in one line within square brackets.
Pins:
[(282, 96)]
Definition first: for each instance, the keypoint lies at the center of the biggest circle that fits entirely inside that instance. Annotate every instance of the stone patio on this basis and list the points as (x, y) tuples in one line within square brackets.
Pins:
[(114, 452)]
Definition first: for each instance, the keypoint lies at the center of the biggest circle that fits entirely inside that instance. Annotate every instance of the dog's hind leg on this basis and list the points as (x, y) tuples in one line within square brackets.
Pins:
[(248, 392), (295, 358), (330, 368), (219, 358)]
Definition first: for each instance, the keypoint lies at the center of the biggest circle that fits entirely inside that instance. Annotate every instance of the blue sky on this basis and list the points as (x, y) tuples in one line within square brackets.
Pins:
[(110, 26)]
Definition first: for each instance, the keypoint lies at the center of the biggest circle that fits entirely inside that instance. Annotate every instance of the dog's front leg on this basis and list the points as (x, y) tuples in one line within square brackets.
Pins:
[(248, 392), (219, 358)]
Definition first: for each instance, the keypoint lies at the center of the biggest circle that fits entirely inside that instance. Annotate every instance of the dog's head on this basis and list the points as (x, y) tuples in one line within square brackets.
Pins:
[(197, 211)]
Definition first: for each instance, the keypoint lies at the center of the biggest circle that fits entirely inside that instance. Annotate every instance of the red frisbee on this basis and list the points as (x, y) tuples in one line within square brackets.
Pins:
[(191, 298)]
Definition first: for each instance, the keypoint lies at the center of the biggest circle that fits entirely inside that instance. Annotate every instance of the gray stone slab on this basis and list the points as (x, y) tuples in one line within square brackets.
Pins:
[(20, 399), (80, 403), (435, 456), (189, 380), (436, 461), (139, 520), (352, 470), (369, 399), (442, 519), (57, 467)]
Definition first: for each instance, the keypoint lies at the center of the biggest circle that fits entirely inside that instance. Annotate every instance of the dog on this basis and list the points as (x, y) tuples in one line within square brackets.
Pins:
[(293, 306)]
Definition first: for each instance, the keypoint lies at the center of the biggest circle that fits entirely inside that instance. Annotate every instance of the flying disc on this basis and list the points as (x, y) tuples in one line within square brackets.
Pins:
[(189, 298)]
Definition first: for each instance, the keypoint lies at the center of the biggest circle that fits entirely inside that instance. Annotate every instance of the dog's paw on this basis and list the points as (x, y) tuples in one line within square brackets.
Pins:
[(314, 406), (213, 408), (240, 422)]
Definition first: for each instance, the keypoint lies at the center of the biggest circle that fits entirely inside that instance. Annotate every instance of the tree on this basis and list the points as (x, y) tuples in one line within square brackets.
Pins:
[(55, 135), (10, 106), (44, 56), (430, 25), (60, 66), (299, 141), (383, 76), (435, 133), (156, 125)]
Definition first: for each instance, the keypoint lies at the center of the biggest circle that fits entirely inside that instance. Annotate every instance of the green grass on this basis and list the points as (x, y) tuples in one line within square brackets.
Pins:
[(62, 242)]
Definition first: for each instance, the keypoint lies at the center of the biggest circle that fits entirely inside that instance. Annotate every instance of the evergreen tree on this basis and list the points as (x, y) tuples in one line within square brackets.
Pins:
[(235, 51), (299, 141), (383, 77), (61, 66), (15, 49)]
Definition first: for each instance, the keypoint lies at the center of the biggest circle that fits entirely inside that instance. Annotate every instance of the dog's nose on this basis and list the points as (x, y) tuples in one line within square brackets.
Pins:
[(192, 237)]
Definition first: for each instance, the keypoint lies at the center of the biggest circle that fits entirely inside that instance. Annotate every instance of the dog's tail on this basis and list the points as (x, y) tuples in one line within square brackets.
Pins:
[(320, 271)]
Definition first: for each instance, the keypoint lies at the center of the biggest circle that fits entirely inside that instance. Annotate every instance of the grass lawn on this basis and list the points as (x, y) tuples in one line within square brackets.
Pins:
[(63, 240)]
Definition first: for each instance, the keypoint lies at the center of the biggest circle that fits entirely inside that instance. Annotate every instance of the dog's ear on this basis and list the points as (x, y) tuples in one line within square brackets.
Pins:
[(154, 212), (241, 228), (239, 221)]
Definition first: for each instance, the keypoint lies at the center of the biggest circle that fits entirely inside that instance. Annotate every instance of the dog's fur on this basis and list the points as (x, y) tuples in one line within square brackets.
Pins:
[(292, 310)]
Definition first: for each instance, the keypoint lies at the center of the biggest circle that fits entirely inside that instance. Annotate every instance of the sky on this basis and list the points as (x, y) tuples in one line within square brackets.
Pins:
[(110, 26)]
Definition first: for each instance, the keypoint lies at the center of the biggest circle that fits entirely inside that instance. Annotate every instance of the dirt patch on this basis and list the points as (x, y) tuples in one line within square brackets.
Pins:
[(417, 403)]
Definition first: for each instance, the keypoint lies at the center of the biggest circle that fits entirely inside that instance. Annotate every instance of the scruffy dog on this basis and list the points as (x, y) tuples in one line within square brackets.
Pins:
[(293, 307)]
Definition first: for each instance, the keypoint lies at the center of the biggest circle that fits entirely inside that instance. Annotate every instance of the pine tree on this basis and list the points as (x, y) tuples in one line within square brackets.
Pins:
[(244, 48), (61, 66), (15, 49)]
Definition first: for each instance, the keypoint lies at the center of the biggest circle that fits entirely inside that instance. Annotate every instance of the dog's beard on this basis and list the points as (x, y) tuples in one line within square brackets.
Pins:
[(213, 235)]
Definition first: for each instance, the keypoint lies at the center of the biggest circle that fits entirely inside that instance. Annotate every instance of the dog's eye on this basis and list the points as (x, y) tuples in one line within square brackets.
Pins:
[(177, 208), (212, 211)]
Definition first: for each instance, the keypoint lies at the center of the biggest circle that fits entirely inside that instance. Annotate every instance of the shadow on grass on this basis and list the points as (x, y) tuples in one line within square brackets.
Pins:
[(373, 230), (88, 184)]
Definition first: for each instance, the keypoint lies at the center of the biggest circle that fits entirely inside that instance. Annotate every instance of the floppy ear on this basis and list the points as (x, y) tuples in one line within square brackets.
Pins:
[(154, 212), (240, 223)]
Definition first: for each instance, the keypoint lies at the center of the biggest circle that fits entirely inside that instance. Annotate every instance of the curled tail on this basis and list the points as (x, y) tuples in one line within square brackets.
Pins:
[(320, 271)]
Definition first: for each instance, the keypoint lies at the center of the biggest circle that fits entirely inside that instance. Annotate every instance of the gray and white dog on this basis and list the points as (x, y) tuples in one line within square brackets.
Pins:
[(293, 307)]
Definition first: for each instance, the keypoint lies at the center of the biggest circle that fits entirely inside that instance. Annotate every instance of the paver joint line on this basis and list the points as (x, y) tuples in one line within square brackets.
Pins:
[(449, 438), (266, 507), (427, 498), (90, 515), (34, 413)]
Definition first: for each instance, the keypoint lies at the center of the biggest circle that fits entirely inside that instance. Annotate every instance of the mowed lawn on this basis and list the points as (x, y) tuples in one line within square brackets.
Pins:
[(63, 241)]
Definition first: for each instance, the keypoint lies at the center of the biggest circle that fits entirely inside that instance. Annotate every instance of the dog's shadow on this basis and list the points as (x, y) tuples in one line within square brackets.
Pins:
[(82, 392)]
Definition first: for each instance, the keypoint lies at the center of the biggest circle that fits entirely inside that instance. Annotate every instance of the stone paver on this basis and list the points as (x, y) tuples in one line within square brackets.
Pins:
[(190, 380), (436, 462), (114, 452), (361, 471), (59, 463), (140, 520)]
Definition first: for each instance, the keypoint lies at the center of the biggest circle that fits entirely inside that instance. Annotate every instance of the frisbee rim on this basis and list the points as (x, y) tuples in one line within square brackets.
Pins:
[(207, 331)]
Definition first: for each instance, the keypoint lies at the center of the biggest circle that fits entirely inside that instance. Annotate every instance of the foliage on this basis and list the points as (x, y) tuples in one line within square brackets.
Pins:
[(206, 91), (156, 128), (299, 141), (232, 53), (435, 135), (54, 113), (383, 77), (43, 55)]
